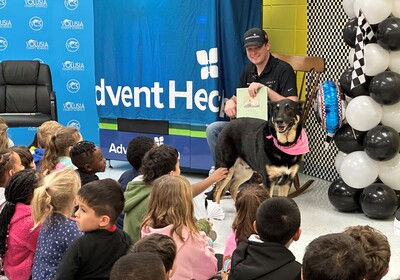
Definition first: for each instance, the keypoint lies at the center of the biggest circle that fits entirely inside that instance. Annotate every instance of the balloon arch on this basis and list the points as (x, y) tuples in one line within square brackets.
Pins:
[(368, 141)]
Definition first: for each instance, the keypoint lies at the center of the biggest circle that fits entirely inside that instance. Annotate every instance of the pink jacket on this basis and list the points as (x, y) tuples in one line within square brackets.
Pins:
[(230, 245), (194, 258), (21, 244)]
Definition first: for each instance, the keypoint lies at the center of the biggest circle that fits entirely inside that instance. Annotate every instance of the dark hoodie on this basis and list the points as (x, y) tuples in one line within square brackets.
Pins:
[(263, 261)]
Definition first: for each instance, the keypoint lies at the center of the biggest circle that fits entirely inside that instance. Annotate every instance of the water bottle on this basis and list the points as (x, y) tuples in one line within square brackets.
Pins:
[(212, 169)]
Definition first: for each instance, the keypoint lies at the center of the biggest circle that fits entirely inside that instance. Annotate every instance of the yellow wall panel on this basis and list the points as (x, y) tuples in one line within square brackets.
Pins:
[(283, 17), (282, 41), (286, 24), (301, 17)]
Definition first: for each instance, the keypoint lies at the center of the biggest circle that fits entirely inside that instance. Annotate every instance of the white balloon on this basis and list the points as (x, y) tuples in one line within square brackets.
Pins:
[(389, 172), (377, 59), (374, 11), (348, 8), (363, 113), (394, 64), (391, 116), (338, 160), (396, 8), (351, 56), (358, 170)]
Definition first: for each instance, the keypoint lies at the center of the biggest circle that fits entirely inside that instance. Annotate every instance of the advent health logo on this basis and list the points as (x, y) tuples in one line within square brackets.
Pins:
[(72, 45), (71, 4), (129, 96), (73, 86), (207, 60), (36, 23)]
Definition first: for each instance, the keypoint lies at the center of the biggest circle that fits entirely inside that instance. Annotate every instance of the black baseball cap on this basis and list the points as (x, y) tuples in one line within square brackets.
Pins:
[(255, 37)]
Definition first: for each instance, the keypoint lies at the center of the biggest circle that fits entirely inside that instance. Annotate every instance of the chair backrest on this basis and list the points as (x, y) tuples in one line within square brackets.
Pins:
[(308, 71), (26, 88)]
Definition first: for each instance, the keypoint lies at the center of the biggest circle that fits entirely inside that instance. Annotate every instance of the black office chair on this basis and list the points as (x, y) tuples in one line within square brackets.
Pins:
[(27, 98)]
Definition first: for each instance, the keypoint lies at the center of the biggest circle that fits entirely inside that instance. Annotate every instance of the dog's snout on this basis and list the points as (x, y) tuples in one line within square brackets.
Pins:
[(279, 121)]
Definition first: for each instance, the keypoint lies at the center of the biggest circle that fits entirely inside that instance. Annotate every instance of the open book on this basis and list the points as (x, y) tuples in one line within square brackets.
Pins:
[(252, 107)]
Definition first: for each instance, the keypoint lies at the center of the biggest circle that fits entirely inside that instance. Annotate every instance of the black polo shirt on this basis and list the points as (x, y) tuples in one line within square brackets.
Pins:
[(277, 75)]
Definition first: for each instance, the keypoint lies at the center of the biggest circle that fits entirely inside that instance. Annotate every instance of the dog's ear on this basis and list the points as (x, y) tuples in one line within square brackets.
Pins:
[(300, 104)]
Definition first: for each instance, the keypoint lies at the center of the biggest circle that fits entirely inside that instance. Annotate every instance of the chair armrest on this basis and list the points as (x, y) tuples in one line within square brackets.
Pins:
[(53, 105)]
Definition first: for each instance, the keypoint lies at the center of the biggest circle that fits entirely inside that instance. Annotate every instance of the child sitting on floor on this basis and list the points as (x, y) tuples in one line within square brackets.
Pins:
[(266, 256), (158, 161), (42, 137), (17, 239), (5, 141), (135, 152), (139, 266), (246, 204), (52, 205), (92, 255), (10, 163), (56, 154), (160, 244), (25, 156), (89, 160), (171, 212), (376, 247), (334, 256)]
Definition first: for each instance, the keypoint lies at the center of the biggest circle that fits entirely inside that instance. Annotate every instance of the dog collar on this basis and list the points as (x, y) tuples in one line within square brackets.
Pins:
[(298, 148)]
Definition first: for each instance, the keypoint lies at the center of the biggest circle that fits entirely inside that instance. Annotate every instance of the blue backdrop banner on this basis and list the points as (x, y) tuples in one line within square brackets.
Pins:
[(164, 68), (169, 60), (58, 33)]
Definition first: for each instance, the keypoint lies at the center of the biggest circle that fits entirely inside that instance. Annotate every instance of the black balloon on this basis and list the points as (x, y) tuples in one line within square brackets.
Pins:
[(388, 34), (398, 197), (345, 84), (349, 32), (343, 197), (384, 88), (378, 201), (382, 143), (349, 140)]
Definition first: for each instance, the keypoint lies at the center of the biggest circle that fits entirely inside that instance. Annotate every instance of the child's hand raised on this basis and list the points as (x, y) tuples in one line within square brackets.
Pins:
[(219, 174)]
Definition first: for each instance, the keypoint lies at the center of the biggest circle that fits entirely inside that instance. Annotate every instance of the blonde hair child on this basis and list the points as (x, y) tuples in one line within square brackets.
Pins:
[(5, 142), (56, 154), (171, 213), (42, 137), (45, 131), (52, 206)]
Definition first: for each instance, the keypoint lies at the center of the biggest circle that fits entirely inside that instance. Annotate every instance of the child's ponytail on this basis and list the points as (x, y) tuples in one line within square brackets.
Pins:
[(41, 205), (56, 195)]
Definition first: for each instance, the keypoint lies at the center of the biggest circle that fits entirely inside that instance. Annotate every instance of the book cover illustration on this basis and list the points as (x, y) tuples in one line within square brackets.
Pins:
[(252, 107)]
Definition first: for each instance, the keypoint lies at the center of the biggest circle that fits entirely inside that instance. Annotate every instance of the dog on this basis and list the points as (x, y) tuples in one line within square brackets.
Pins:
[(270, 148)]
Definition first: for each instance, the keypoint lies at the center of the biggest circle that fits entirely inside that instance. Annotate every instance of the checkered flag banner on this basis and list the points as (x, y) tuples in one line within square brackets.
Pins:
[(364, 35)]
